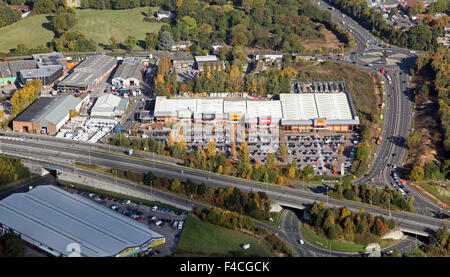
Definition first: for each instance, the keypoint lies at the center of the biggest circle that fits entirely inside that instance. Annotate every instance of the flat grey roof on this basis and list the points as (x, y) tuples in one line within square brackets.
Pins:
[(209, 58), (4, 70), (39, 72), (127, 70), (48, 59), (15, 66), (89, 70), (35, 110), (56, 218)]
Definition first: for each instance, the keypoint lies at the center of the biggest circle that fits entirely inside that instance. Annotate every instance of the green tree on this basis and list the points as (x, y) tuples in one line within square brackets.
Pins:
[(282, 152), (175, 186), (414, 139), (130, 42), (165, 41), (151, 41), (270, 160), (362, 152), (188, 28), (417, 173), (113, 43), (14, 246), (308, 172)]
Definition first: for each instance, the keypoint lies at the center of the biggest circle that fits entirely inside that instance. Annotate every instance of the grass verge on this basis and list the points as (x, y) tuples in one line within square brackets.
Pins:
[(340, 246), (437, 191), (201, 239)]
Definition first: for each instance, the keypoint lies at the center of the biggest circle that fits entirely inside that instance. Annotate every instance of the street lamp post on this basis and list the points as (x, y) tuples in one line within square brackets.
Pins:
[(389, 207)]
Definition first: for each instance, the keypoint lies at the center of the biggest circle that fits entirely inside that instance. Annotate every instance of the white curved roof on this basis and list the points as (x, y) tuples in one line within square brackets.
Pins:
[(56, 218)]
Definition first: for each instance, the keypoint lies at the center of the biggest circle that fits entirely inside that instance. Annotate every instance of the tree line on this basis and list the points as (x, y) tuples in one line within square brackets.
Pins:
[(372, 195), (433, 63), (8, 16), (273, 24), (25, 96), (254, 204), (275, 170), (341, 223), (419, 37), (11, 170), (229, 79)]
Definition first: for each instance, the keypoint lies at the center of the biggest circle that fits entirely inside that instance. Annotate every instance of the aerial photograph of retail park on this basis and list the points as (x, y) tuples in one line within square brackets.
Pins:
[(195, 128)]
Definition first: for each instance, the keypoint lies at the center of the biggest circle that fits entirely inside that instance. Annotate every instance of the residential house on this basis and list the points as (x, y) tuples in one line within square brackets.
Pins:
[(268, 56), (181, 45), (164, 14)]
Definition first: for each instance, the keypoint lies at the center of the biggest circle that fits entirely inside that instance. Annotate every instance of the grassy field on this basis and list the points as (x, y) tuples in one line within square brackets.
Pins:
[(29, 31), (100, 25), (201, 239)]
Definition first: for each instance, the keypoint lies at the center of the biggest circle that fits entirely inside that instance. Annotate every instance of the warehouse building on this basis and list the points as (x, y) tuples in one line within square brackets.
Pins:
[(9, 71), (109, 106), (128, 73), (183, 62), (47, 114), (88, 73), (49, 69), (58, 222), (48, 75), (211, 60)]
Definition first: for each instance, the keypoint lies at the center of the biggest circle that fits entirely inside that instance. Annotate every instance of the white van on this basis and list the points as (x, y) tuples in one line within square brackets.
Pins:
[(154, 208), (158, 222), (180, 225)]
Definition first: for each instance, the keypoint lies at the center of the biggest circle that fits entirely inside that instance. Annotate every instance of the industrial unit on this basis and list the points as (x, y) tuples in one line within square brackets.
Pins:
[(109, 106), (50, 68), (211, 60), (9, 70), (128, 73), (88, 73), (66, 224), (47, 114)]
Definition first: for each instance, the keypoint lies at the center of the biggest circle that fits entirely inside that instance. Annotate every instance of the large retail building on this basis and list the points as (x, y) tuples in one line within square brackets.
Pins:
[(66, 224), (297, 112)]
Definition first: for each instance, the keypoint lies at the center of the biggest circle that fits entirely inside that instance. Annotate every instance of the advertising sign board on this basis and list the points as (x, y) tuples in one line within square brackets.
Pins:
[(235, 116), (184, 114)]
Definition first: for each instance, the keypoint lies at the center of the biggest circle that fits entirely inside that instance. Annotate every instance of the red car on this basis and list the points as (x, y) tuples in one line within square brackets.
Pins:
[(394, 88), (367, 175)]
